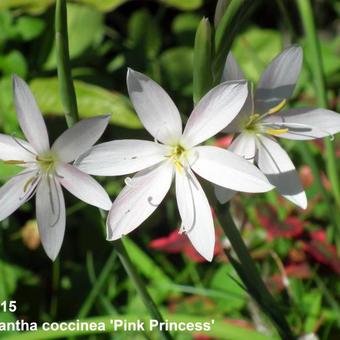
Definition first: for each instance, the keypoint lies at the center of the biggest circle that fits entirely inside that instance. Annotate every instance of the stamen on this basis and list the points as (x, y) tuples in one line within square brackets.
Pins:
[(278, 107), (29, 188), (276, 132), (128, 181), (21, 145), (252, 119), (14, 162), (288, 126)]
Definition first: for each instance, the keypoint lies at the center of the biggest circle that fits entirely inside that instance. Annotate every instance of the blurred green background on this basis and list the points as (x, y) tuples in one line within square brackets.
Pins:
[(157, 38)]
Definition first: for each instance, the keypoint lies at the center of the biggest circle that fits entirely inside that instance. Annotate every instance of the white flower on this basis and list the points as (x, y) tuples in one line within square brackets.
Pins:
[(177, 153), (47, 168), (260, 121)]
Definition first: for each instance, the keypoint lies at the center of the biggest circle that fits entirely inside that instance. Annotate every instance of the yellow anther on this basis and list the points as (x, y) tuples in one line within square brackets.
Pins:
[(252, 118), (276, 132), (15, 162), (28, 183), (278, 107)]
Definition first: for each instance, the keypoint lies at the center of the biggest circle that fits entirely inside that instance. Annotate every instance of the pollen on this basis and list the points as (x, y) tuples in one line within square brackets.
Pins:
[(46, 162), (276, 132), (277, 108), (250, 125), (178, 156)]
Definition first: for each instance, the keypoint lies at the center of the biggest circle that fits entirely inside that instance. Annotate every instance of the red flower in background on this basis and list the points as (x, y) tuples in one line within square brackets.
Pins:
[(177, 243), (307, 178), (322, 251), (224, 142), (292, 226), (298, 271)]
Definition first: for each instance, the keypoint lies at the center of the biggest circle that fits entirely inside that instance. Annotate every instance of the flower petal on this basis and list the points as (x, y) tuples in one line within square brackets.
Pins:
[(278, 80), (50, 206), (197, 221), (239, 122), (16, 192), (139, 199), (13, 148), (280, 171), (121, 157), (79, 138), (244, 145), (304, 124), (214, 112), (228, 170), (29, 116), (223, 195), (154, 107), (83, 186), (232, 70)]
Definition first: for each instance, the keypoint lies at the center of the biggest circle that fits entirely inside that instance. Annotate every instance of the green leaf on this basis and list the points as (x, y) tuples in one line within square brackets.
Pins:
[(13, 62), (146, 265), (8, 119), (235, 296), (10, 275), (178, 75), (187, 5), (220, 329), (202, 60), (144, 35), (29, 27), (30, 6), (184, 28), (92, 101), (104, 5), (253, 53), (312, 308), (85, 31)]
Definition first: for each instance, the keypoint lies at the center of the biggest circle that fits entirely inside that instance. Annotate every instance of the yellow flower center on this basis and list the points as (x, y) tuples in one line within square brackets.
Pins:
[(178, 155), (253, 126), (47, 162)]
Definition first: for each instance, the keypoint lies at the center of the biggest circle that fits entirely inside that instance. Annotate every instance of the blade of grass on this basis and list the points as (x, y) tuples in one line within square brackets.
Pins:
[(246, 269), (220, 329), (228, 25), (97, 287), (66, 87), (313, 47), (71, 114), (202, 77)]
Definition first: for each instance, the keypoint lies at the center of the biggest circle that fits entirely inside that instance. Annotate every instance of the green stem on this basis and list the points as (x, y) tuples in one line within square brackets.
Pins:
[(66, 87), (225, 32), (314, 51), (55, 287), (246, 268), (71, 114), (140, 287), (96, 289)]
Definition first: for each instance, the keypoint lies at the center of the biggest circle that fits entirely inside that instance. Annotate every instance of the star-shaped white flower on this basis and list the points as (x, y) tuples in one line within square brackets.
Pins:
[(47, 168), (174, 152), (261, 119)]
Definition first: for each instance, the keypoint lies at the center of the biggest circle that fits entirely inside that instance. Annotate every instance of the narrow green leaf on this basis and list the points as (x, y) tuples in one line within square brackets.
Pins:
[(221, 329), (202, 60), (226, 30)]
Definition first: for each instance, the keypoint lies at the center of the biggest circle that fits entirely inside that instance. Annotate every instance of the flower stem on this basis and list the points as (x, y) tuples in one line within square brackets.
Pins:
[(246, 269), (140, 287), (313, 47), (97, 287), (71, 114), (66, 88)]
